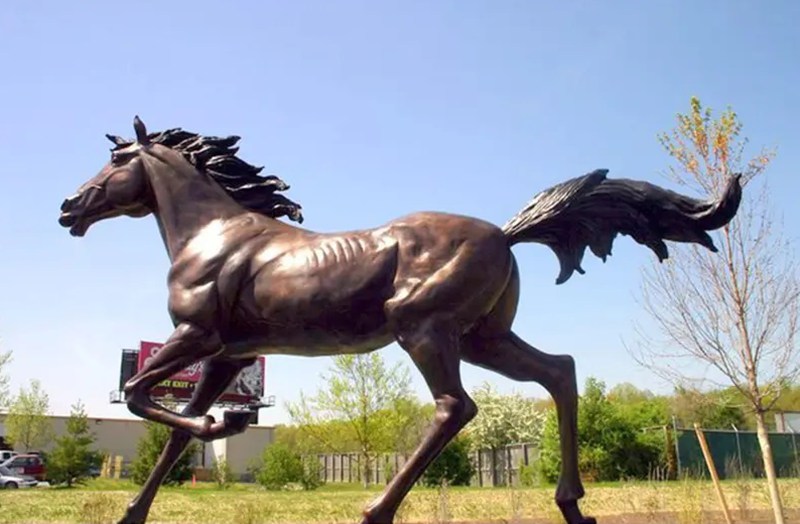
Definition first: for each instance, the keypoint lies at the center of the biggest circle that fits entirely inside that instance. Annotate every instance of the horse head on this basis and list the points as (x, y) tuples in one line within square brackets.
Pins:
[(124, 186), (120, 188)]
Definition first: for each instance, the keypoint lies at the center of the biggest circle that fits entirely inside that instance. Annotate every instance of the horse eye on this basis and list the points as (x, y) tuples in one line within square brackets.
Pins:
[(119, 158)]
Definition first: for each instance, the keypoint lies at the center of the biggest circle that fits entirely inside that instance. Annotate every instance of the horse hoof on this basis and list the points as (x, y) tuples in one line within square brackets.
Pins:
[(236, 421), (372, 520), (133, 517), (572, 514), (375, 517)]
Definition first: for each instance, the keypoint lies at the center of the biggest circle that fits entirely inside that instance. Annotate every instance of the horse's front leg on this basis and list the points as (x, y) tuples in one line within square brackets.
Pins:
[(188, 344), (217, 375)]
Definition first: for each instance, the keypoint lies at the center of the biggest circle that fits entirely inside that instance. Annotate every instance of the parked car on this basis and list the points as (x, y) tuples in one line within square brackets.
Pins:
[(6, 454), (11, 480), (27, 464)]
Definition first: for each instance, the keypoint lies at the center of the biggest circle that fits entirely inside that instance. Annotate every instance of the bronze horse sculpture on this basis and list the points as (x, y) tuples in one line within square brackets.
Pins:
[(445, 287)]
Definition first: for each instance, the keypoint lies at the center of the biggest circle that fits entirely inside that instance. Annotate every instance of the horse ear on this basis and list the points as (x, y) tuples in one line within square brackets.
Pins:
[(141, 131), (116, 140)]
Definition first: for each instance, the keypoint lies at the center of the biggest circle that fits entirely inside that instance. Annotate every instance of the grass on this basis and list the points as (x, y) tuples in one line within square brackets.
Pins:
[(101, 501)]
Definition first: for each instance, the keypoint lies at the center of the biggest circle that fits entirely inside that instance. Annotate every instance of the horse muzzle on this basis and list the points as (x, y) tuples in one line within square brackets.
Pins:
[(71, 219), (81, 210), (77, 227)]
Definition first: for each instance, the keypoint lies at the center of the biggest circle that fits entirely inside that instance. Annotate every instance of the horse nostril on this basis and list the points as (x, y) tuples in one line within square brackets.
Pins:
[(70, 201), (66, 220)]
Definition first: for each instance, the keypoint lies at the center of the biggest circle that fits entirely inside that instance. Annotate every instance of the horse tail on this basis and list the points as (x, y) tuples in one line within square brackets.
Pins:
[(590, 211)]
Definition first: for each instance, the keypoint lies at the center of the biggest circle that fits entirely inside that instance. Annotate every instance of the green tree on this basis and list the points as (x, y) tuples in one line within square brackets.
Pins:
[(504, 419), (5, 359), (641, 408), (72, 457), (357, 390), (717, 409), (327, 436), (27, 424), (626, 393), (404, 424), (610, 446), (736, 310), (453, 465), (149, 448)]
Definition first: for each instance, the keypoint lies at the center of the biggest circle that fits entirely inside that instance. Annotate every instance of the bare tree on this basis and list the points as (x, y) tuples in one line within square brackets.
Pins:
[(735, 311), (5, 359)]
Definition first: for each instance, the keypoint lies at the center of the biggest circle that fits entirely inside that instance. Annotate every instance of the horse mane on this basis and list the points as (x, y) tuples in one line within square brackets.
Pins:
[(216, 156)]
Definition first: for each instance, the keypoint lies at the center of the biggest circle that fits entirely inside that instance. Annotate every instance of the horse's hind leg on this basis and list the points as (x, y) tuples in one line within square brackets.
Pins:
[(434, 349), (511, 356), (217, 375)]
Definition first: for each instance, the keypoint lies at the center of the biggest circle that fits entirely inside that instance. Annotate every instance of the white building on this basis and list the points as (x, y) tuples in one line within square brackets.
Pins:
[(787, 422), (119, 437)]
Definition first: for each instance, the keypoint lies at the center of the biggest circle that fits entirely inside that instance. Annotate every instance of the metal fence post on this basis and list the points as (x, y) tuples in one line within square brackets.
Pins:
[(677, 448), (480, 468), (509, 473), (738, 449), (493, 455)]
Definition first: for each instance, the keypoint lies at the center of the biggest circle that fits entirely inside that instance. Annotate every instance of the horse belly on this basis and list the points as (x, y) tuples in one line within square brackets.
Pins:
[(298, 328), (308, 303)]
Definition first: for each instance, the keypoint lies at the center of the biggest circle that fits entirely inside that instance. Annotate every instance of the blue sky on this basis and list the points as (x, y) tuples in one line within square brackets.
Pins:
[(370, 110)]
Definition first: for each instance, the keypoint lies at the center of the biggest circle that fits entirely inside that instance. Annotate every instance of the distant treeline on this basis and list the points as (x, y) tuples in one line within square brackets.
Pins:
[(624, 431)]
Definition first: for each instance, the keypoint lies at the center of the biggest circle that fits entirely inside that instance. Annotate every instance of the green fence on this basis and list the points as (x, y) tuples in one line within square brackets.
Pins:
[(734, 451)]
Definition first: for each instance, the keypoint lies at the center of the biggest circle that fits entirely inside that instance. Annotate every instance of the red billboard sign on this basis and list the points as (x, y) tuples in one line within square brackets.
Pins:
[(248, 387)]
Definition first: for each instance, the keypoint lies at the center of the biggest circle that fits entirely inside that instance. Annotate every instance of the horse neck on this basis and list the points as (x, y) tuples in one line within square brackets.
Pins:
[(186, 202)]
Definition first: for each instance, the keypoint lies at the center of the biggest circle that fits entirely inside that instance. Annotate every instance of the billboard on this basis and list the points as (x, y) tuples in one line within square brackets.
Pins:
[(248, 387)]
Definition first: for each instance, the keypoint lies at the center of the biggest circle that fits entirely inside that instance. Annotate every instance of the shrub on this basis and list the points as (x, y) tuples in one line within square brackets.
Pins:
[(221, 473), (281, 467), (149, 449), (528, 475), (550, 452), (453, 466), (311, 470), (611, 444)]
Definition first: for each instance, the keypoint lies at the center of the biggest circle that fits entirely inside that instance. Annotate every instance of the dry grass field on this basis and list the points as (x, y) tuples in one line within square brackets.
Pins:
[(682, 502)]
